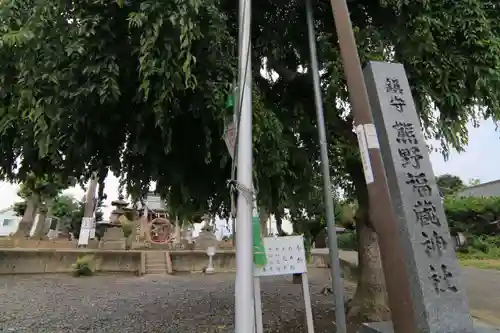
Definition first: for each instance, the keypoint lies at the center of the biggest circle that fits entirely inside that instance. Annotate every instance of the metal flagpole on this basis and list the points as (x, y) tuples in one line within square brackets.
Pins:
[(338, 288), (244, 309)]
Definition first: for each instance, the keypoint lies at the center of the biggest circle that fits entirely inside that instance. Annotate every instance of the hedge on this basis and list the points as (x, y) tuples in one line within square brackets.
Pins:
[(473, 216), (347, 241)]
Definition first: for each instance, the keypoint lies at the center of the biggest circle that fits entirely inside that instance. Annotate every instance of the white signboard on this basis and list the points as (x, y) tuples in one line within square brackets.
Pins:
[(285, 256), (155, 202), (365, 154), (85, 230)]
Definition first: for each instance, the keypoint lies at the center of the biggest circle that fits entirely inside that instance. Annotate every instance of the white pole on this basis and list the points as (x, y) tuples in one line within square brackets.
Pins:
[(259, 326), (307, 301), (244, 308)]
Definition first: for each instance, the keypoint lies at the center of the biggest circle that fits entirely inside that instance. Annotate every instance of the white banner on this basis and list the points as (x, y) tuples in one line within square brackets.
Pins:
[(92, 230), (86, 230)]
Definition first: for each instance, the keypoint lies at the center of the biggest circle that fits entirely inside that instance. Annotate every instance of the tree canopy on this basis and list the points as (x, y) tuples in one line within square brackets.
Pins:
[(138, 88), (449, 184), (135, 86)]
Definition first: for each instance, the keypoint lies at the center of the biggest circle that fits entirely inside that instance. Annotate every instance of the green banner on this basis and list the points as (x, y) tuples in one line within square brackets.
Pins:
[(230, 101), (259, 251)]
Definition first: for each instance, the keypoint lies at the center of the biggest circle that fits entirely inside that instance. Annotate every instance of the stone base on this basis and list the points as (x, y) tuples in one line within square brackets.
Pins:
[(386, 327)]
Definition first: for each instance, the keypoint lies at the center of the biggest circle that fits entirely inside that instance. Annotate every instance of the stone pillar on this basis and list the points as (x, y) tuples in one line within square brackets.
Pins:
[(438, 296), (177, 232)]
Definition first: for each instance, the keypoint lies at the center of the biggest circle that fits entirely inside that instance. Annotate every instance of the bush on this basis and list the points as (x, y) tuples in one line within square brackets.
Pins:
[(473, 216), (127, 229), (482, 247), (82, 266), (347, 241)]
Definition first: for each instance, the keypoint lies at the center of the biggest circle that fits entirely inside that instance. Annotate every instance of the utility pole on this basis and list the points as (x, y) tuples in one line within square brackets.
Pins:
[(381, 212), (338, 286), (244, 304)]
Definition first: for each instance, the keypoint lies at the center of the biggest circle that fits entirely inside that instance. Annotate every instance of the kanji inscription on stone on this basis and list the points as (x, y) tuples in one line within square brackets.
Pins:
[(442, 279), (425, 213), (419, 183), (405, 133), (398, 103), (393, 86), (434, 243), (410, 157), (439, 302)]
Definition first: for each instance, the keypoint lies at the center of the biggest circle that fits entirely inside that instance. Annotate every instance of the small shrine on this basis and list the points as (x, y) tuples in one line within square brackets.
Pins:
[(161, 230)]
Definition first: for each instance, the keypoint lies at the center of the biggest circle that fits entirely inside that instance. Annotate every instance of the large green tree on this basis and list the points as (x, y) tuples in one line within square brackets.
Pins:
[(105, 84), (38, 194), (449, 184), (136, 86)]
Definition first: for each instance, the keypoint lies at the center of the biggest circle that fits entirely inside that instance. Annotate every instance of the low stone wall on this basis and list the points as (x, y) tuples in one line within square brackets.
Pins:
[(36, 244), (225, 261), (23, 243), (37, 261), (322, 260), (197, 260)]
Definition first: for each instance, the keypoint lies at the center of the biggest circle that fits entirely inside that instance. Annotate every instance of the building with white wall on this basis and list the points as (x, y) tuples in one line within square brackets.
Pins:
[(9, 222)]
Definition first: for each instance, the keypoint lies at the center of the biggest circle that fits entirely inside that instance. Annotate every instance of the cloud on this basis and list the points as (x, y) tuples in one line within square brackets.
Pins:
[(481, 159)]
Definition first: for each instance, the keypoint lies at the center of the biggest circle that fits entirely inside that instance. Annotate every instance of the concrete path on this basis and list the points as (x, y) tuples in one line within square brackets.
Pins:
[(483, 289)]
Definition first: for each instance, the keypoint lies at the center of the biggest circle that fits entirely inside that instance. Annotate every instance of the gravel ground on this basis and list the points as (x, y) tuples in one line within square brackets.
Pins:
[(152, 304)]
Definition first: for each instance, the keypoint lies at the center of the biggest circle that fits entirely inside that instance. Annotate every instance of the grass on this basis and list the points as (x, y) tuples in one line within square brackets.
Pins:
[(481, 263)]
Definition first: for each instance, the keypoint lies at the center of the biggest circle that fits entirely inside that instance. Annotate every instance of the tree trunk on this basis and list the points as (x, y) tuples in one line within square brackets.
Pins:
[(40, 223), (263, 217), (177, 231), (90, 197), (279, 224), (369, 303), (28, 218), (54, 222)]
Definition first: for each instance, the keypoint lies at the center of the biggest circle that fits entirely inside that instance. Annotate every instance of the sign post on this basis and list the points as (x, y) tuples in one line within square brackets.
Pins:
[(285, 256)]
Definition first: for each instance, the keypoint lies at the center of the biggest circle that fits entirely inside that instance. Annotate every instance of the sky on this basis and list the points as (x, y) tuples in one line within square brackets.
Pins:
[(481, 160)]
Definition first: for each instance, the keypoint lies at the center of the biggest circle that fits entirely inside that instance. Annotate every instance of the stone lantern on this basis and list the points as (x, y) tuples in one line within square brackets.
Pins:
[(120, 205)]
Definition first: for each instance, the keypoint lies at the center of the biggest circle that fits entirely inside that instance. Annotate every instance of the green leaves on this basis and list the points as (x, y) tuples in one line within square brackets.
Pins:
[(473, 216), (140, 88)]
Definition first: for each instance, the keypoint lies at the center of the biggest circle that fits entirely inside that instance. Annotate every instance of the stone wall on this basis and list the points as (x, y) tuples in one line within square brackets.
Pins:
[(196, 260), (6, 242), (34, 261)]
